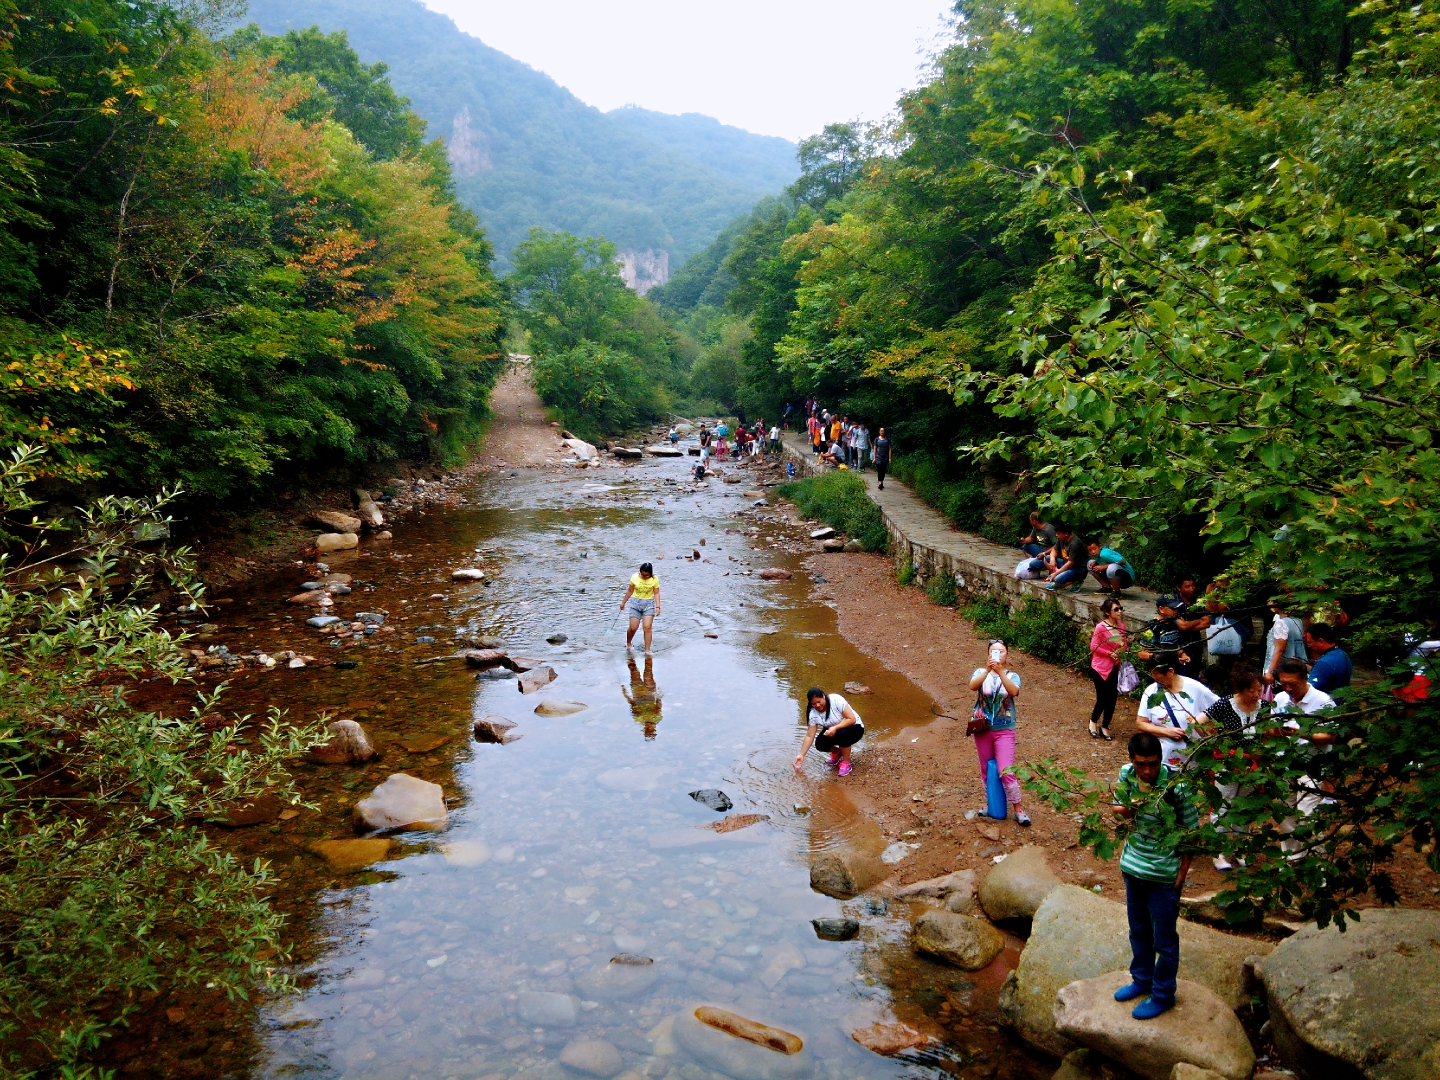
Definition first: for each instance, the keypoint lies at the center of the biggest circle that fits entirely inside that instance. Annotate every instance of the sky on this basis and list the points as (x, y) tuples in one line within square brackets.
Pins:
[(775, 67)]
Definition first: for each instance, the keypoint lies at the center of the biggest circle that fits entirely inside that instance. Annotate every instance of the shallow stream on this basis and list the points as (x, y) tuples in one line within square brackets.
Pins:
[(478, 951)]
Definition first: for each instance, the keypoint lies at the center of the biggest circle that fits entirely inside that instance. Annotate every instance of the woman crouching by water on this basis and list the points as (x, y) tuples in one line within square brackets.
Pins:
[(832, 726)]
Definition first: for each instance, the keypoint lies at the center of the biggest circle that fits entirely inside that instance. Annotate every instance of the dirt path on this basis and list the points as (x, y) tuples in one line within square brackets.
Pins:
[(519, 435)]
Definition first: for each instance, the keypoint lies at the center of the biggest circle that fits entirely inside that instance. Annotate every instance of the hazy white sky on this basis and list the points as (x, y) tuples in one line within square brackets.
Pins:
[(777, 67)]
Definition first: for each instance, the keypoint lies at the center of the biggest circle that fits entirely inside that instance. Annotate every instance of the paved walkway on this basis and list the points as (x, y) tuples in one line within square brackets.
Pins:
[(978, 565)]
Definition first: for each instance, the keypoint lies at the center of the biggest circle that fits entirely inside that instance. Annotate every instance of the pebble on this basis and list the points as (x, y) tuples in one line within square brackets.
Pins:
[(319, 622), (424, 639)]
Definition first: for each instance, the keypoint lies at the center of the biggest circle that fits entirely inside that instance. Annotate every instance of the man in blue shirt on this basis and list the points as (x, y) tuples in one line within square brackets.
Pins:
[(1329, 664)]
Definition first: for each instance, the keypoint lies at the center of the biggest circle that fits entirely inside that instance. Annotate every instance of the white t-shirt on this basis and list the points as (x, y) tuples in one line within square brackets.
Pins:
[(774, 433), (1313, 701), (836, 715), (1191, 701)]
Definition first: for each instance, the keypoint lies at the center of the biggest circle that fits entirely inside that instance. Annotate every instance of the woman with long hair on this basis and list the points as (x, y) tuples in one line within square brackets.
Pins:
[(1107, 642)]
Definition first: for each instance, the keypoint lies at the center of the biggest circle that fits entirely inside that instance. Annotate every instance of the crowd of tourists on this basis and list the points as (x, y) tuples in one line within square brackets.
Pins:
[(844, 443)]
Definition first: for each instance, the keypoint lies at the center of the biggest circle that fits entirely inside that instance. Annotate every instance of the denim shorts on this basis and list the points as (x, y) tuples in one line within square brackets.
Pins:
[(641, 609)]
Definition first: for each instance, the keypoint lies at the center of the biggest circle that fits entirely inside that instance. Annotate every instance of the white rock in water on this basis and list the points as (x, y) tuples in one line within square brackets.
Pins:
[(547, 1010), (402, 802), (466, 852), (822, 533), (336, 541), (594, 1057), (467, 574), (319, 622), (556, 707)]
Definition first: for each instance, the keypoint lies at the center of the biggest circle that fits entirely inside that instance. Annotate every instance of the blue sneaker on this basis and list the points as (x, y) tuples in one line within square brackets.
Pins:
[(1131, 991), (1051, 587), (1150, 1008)]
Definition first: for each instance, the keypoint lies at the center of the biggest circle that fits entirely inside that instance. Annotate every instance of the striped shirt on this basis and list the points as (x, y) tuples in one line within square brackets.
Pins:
[(1147, 855)]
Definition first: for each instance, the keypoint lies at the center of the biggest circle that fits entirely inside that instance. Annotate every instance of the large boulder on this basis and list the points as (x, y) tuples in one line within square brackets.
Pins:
[(348, 745), (371, 516), (402, 802), (954, 891), (1018, 885), (1200, 1030), (536, 679), (843, 874), (958, 939), (334, 521), (1078, 935), (336, 541), (1365, 1003), (347, 856), (495, 729)]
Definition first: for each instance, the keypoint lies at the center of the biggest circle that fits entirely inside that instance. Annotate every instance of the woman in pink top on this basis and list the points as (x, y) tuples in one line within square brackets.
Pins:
[(1106, 644)]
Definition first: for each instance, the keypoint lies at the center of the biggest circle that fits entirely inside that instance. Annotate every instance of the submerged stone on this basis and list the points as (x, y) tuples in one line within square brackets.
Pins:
[(714, 798)]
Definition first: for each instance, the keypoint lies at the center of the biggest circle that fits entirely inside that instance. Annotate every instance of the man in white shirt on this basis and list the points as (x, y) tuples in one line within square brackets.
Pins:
[(1170, 705), (1298, 696)]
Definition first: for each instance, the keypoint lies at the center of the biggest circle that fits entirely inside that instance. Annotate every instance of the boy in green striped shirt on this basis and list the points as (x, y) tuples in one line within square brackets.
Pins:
[(1154, 872)]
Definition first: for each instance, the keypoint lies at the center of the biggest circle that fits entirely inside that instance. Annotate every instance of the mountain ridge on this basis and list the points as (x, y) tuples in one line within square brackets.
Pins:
[(526, 152)]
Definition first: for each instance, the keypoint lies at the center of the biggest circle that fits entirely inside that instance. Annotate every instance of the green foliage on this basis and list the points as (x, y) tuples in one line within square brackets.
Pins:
[(281, 299), (603, 356), (963, 501), (110, 886), (941, 589), (1040, 627), (840, 500), (905, 572)]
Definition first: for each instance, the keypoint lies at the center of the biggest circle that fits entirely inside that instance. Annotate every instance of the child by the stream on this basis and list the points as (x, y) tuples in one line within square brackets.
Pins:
[(1154, 872)]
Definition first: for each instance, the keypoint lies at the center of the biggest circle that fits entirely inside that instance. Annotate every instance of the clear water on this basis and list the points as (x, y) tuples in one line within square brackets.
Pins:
[(580, 841)]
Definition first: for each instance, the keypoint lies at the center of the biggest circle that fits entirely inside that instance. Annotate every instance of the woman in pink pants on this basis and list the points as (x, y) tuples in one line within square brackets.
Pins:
[(997, 688)]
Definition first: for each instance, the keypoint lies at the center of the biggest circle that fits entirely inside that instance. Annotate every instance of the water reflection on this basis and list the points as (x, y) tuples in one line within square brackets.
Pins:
[(643, 696)]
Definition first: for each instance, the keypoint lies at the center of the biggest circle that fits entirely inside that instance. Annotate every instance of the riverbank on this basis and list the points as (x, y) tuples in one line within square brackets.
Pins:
[(921, 783)]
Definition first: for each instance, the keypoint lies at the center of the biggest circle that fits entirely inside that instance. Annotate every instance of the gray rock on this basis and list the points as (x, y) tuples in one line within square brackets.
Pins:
[(1082, 1064), (370, 618), (486, 658), (402, 802), (1362, 1003), (319, 622), (467, 573), (617, 981), (822, 533), (736, 1057), (954, 892), (843, 874), (853, 546), (1018, 885), (536, 679), (1078, 935), (1185, 1071), (714, 798), (835, 929), (958, 939), (593, 1057), (558, 639), (495, 729), (371, 516), (1200, 1030), (348, 745), (424, 639), (548, 1010), (482, 641), (834, 544)]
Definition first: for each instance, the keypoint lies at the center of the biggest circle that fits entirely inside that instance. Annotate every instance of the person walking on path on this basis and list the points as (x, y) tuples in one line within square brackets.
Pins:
[(882, 457), (1107, 642), (1154, 872), (996, 688), (832, 726), (643, 600)]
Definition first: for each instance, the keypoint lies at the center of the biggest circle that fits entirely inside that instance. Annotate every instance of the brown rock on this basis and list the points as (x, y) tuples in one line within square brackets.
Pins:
[(402, 802), (731, 822), (371, 516), (312, 598), (843, 874), (347, 856), (334, 521), (750, 1030), (486, 658), (889, 1038), (524, 663), (954, 891), (958, 939), (495, 729), (774, 573), (857, 688), (348, 745), (1017, 887), (336, 541), (593, 1057), (536, 679), (559, 707), (423, 744)]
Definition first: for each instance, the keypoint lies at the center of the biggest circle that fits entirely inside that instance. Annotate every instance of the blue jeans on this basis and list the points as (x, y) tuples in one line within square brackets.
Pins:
[(1065, 577), (1153, 907), (1034, 550)]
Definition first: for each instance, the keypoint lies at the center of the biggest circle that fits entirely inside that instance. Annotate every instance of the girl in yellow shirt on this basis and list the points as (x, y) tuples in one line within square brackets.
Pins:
[(643, 599)]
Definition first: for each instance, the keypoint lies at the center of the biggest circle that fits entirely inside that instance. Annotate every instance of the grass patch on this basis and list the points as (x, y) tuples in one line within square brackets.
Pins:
[(905, 572), (1040, 628), (840, 500), (941, 589)]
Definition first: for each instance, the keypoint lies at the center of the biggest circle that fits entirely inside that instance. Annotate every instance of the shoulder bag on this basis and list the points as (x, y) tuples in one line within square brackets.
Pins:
[(980, 721)]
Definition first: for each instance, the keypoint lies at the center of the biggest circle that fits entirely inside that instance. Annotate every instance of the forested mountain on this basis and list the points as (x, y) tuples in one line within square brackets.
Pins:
[(527, 153)]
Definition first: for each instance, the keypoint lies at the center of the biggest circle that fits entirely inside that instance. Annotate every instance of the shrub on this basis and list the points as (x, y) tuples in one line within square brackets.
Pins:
[(941, 589), (840, 500), (905, 572), (110, 888), (1041, 628), (963, 501)]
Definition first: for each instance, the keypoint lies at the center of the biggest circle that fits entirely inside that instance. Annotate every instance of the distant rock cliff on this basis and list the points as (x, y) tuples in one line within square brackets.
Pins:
[(645, 270), (469, 146)]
